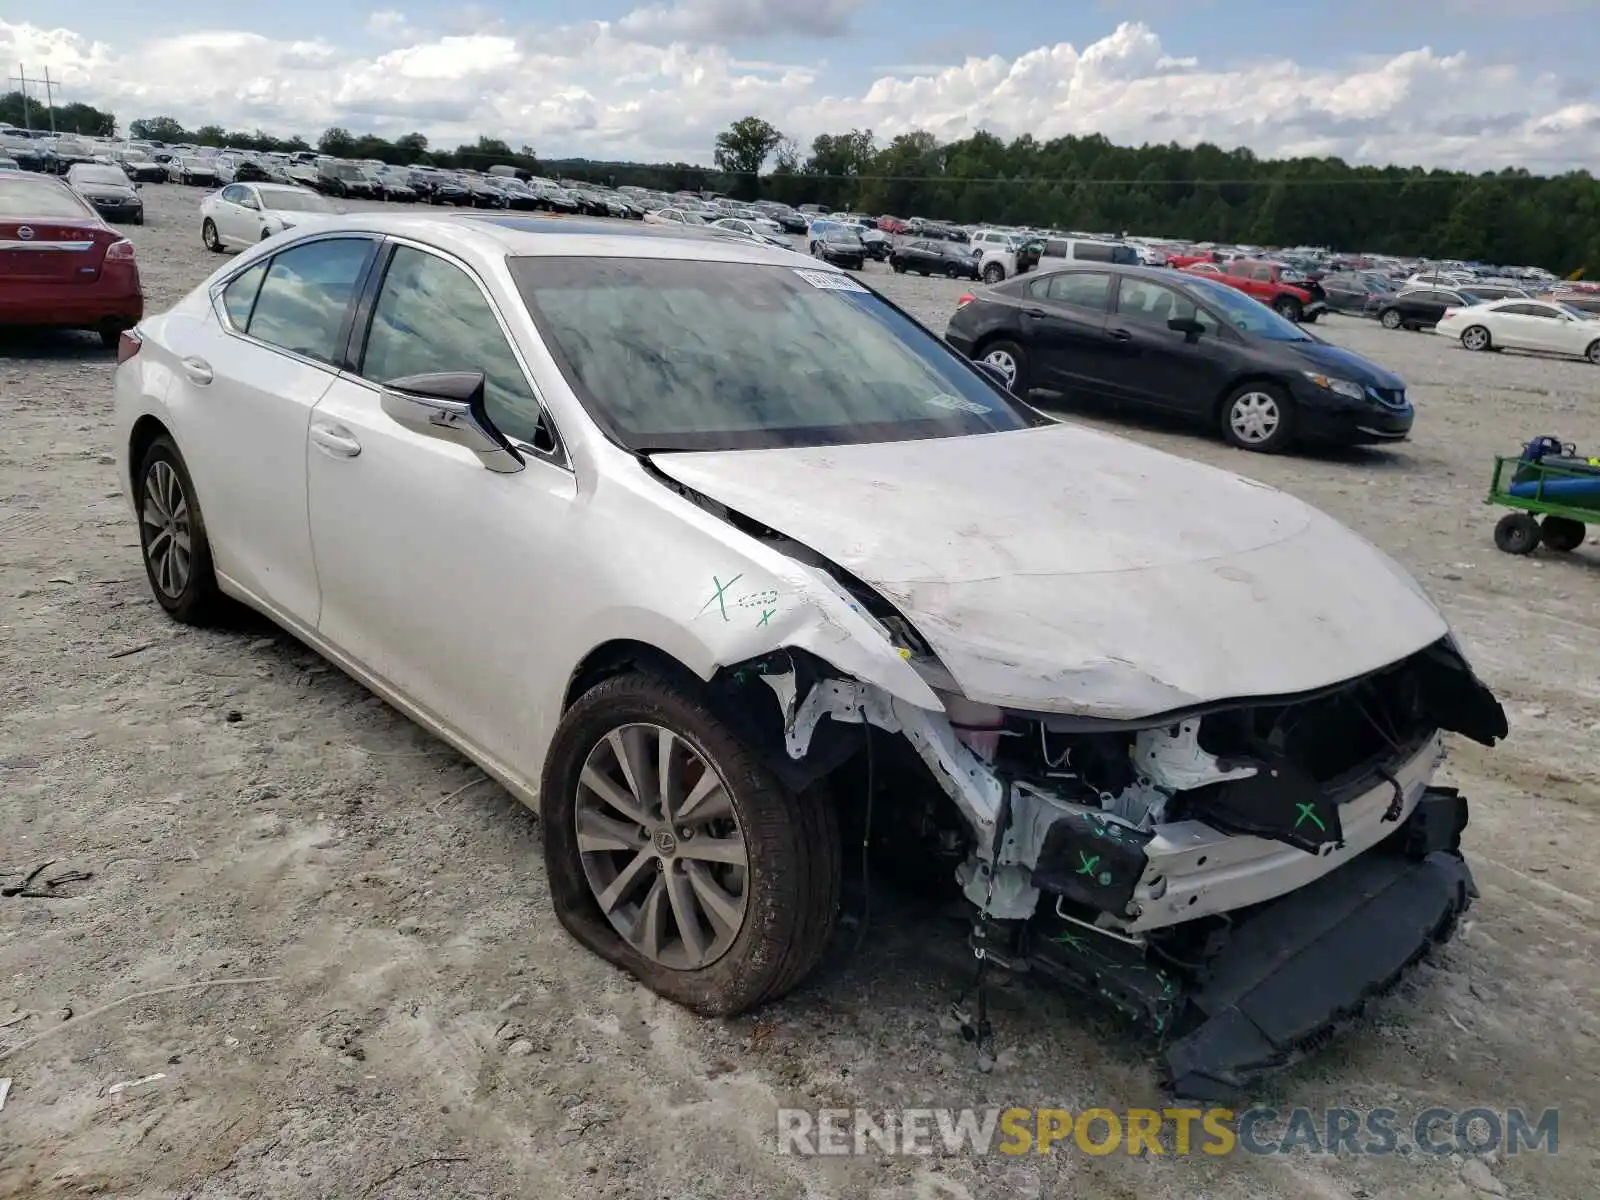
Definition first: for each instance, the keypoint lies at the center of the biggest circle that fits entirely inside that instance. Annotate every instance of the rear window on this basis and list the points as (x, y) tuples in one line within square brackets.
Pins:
[(680, 355), (26, 197)]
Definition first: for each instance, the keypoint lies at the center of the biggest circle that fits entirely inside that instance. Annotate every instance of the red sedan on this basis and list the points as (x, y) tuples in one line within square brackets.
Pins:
[(61, 266)]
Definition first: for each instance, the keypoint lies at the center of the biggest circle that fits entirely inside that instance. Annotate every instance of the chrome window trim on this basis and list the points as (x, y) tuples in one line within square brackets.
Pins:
[(558, 456)]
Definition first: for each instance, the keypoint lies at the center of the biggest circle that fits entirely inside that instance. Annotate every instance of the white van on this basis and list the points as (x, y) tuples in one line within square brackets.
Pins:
[(1058, 251)]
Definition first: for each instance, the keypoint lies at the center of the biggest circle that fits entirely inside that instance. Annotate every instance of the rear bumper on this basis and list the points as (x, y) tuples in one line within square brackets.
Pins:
[(109, 301)]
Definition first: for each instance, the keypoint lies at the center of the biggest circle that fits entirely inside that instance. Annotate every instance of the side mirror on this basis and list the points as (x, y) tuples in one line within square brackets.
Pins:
[(995, 374), (449, 406), (1188, 326)]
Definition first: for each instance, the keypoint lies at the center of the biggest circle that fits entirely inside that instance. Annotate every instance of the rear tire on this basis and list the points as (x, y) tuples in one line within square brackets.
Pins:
[(182, 579), (1476, 338), (1288, 308), (993, 273), (1012, 360), (787, 897), (1562, 534), (1593, 352), (1517, 533), (208, 235), (952, 272)]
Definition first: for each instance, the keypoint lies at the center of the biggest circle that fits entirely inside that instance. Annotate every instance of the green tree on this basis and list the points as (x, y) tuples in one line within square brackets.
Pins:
[(158, 129), (336, 141), (742, 149)]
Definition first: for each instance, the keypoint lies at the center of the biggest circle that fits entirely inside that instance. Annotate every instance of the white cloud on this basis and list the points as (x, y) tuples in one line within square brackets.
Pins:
[(724, 20), (599, 90), (390, 26)]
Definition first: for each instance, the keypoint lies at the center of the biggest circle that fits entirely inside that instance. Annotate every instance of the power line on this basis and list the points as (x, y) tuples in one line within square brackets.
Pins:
[(21, 77)]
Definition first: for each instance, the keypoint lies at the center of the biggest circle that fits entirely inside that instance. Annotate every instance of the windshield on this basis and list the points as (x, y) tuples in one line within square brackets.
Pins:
[(27, 197), (844, 237), (107, 175), (669, 354), (296, 202), (346, 171), (196, 164), (1247, 315)]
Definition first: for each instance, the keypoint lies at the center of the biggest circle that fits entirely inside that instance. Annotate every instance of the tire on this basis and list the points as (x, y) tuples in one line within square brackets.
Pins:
[(789, 884), (208, 235), (993, 273), (1012, 360), (1310, 318), (138, 219), (899, 268), (1562, 534), (110, 337), (952, 272), (1517, 533), (1258, 417), (1476, 338), (1390, 318), (1593, 352), (1288, 308), (164, 488)]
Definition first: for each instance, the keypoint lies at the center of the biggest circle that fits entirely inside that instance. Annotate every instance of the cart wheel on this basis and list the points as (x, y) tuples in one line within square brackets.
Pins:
[(1517, 533), (1562, 533)]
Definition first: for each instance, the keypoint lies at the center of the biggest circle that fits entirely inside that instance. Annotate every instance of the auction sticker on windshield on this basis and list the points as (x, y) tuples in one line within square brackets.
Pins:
[(832, 281)]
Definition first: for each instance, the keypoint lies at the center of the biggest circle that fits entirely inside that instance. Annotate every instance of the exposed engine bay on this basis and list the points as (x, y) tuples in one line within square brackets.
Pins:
[(1238, 879)]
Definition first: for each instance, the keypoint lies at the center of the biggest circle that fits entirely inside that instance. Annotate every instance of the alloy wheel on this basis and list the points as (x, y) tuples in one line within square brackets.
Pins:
[(168, 546), (1003, 362), (1476, 338), (1254, 417), (661, 846)]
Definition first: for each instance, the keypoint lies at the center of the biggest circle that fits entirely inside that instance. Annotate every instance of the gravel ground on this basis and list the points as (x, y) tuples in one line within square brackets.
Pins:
[(421, 1027)]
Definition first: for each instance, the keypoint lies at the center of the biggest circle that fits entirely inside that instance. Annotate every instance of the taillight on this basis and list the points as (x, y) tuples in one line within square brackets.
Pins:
[(966, 299), (128, 345), (1450, 312), (120, 251)]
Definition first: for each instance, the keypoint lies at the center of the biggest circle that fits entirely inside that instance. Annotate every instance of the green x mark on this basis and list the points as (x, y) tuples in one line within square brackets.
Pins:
[(717, 596), (1309, 810), (1089, 863)]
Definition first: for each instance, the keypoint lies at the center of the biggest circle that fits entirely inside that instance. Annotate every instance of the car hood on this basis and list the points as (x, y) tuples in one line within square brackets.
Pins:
[(107, 191), (1339, 363), (1066, 570)]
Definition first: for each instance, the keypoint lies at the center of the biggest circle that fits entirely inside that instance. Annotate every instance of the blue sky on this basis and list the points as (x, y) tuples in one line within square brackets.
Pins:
[(1445, 82)]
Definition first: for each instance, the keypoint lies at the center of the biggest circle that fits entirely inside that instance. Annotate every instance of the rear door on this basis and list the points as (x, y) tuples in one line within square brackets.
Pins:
[(48, 236), (1063, 321)]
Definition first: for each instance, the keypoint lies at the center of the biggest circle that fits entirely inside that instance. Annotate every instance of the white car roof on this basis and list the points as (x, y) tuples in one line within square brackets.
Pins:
[(501, 236)]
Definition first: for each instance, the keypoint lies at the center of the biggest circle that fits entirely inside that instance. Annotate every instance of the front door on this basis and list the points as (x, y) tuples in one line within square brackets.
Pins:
[(1158, 365), (437, 574)]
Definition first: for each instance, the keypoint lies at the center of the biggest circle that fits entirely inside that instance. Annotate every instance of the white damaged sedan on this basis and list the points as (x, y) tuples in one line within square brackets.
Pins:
[(709, 553)]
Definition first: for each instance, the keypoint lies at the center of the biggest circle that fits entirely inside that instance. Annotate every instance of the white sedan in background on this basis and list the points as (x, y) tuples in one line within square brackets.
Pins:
[(750, 230), (673, 216), (1517, 324), (243, 214)]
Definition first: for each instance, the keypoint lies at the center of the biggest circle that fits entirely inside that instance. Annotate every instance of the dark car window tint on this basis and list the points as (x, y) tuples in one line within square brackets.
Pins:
[(305, 294), (1055, 248), (1092, 252), (1155, 304), (431, 316), (1081, 289), (1531, 310), (240, 295)]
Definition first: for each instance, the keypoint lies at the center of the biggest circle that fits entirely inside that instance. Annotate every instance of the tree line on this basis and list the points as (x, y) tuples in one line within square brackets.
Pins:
[(1193, 193)]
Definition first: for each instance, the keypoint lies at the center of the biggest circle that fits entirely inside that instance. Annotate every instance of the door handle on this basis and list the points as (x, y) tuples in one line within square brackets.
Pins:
[(1119, 335), (1034, 312), (336, 440), (197, 369)]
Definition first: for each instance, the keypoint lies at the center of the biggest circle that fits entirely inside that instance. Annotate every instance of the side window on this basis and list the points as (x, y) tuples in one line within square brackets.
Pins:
[(1155, 304), (1055, 248), (1537, 310), (303, 299), (239, 297), (1081, 289), (432, 316), (1261, 273), (1093, 252), (233, 193)]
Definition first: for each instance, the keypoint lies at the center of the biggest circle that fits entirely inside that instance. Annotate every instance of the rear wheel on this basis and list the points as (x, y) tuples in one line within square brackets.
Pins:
[(1562, 533), (673, 851), (898, 267), (208, 235), (1259, 417), (1593, 352), (1390, 318), (993, 273), (952, 272), (172, 537), (1011, 360), (1475, 337), (1517, 533)]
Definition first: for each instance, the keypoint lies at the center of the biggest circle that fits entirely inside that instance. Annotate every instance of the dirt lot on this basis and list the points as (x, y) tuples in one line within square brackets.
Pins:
[(417, 1024)]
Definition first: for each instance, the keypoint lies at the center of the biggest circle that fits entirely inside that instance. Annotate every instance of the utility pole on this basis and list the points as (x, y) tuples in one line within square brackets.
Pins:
[(49, 96)]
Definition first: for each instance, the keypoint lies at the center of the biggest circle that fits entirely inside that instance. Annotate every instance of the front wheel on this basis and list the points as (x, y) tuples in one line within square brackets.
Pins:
[(899, 268), (1288, 308), (993, 273), (1517, 533), (208, 235), (673, 852), (172, 537), (1475, 337), (1259, 417), (1390, 318)]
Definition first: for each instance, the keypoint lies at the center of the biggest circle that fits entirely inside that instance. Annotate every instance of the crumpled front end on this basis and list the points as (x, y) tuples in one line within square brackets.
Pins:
[(1238, 878)]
